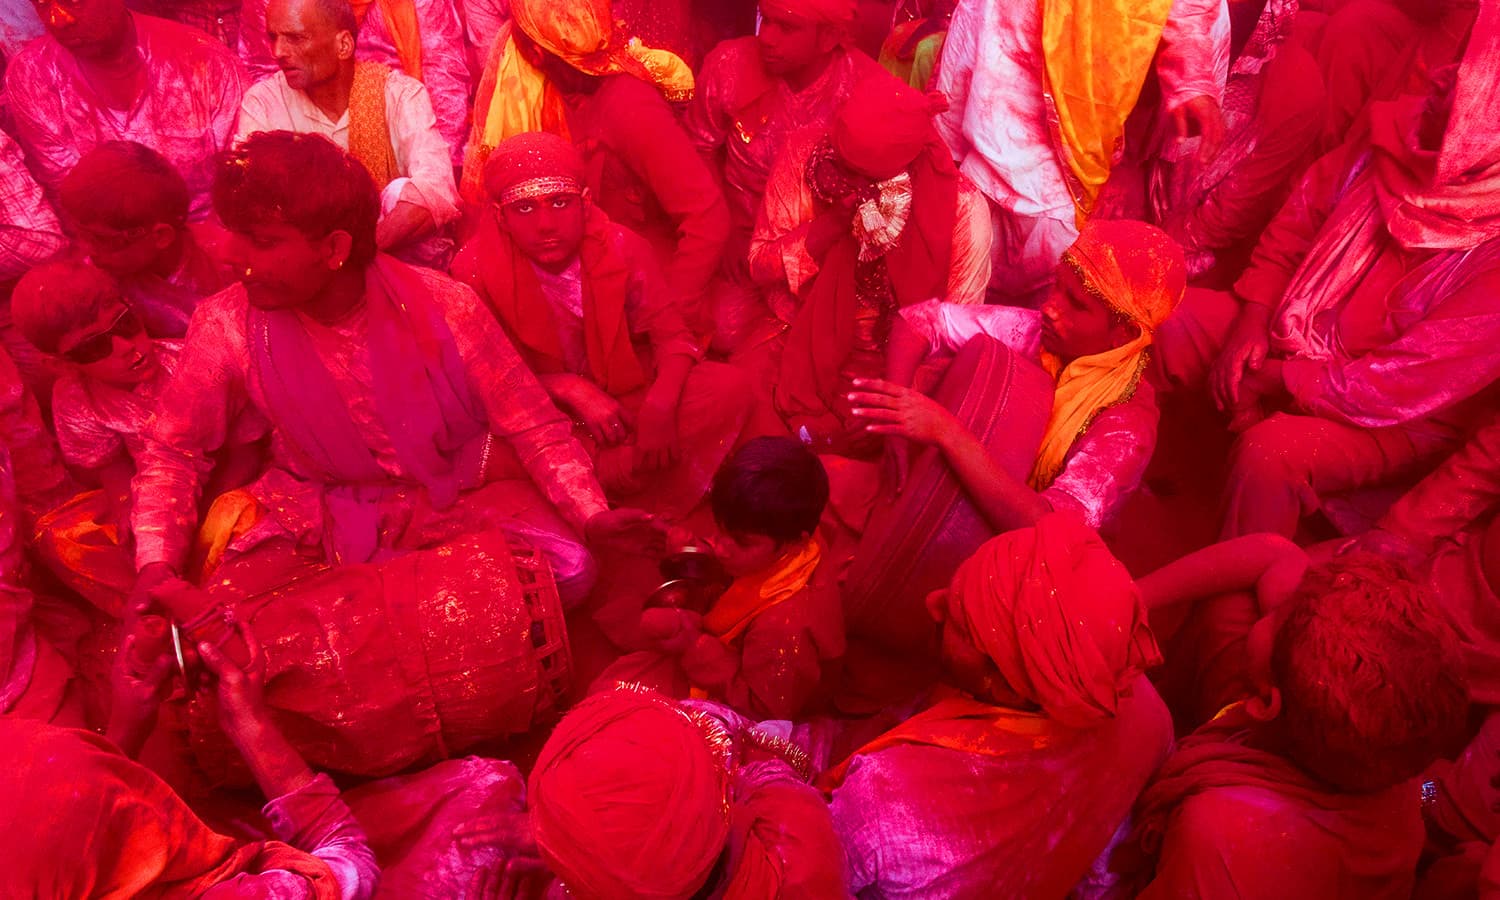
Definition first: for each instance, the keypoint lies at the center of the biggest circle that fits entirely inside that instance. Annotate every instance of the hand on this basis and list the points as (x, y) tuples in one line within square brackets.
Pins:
[(604, 417), (671, 631), (898, 411), (627, 530), (240, 690), (656, 436), (1244, 351), (146, 580), (1265, 383), (1201, 116), (515, 878), (140, 679)]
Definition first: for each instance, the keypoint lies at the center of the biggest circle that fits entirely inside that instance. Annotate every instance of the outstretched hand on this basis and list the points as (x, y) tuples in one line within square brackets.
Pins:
[(897, 411), (1201, 116), (627, 530), (240, 689)]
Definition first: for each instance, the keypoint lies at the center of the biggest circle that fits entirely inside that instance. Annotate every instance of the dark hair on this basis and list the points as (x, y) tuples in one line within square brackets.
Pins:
[(122, 184), (771, 486), (1370, 674), (300, 180), (57, 297)]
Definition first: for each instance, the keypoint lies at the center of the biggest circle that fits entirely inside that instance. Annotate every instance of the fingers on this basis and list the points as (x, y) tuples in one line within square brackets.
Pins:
[(863, 398), (256, 655), (880, 385), (877, 414), (213, 660)]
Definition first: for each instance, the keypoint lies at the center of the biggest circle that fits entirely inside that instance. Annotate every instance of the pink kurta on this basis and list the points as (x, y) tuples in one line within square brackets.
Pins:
[(217, 384), (186, 112), (445, 68), (1109, 459)]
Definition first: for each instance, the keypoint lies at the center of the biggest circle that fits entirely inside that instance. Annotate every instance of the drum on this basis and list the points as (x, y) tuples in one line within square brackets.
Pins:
[(375, 668), (916, 540)]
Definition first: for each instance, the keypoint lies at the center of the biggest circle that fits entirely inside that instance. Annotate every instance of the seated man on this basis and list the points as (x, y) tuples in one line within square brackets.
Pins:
[(859, 221), (380, 116), (583, 300), (1015, 782), (1364, 323), (635, 795), (769, 643), (129, 209), (566, 69), (1308, 788), (753, 94), (390, 394), (113, 376), (104, 73), (421, 38), (1114, 288), (1039, 93)]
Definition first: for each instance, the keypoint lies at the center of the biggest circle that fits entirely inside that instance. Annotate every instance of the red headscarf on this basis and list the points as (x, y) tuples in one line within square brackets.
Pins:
[(883, 129), (838, 13), (629, 799), (81, 820), (538, 164), (1059, 616)]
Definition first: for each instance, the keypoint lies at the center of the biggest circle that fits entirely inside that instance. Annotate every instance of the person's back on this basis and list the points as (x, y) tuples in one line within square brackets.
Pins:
[(1358, 687)]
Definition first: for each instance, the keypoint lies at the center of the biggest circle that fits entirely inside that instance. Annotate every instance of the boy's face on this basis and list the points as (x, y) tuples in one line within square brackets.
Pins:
[(1076, 324), (113, 348), (124, 252), (743, 554), (547, 230)]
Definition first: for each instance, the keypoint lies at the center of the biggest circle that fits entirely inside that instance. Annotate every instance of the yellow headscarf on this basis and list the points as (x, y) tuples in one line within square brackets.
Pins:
[(1139, 272), (1097, 54), (515, 97)]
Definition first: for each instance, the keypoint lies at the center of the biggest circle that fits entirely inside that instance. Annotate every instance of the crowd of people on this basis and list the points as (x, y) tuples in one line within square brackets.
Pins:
[(706, 449)]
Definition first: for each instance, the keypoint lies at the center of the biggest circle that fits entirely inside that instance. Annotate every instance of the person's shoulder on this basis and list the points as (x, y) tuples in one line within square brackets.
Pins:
[(183, 44), (731, 56), (402, 86), (36, 55)]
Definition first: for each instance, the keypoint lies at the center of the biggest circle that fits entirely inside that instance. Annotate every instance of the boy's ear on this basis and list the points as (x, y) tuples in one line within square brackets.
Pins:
[(163, 235)]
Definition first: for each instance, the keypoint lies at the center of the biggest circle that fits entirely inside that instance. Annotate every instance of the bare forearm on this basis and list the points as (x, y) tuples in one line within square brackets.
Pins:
[(275, 764), (1234, 565), (1006, 502), (904, 352), (405, 223)]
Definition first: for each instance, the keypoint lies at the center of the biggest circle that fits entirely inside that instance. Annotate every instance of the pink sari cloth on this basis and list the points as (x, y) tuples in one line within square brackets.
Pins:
[(1446, 202)]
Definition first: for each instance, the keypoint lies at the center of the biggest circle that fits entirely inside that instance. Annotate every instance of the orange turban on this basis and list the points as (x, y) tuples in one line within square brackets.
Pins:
[(1059, 616), (630, 799), (1140, 273)]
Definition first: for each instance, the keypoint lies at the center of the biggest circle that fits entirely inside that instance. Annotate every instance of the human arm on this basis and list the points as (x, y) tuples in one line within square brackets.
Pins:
[(407, 221), (653, 310), (1107, 462), (972, 248), (1248, 563), (1004, 500), (422, 152), (1192, 65), (1454, 497), (35, 103), (660, 154), (304, 809)]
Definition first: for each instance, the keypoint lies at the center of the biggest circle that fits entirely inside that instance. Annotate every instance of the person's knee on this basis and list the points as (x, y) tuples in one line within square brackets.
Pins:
[(1266, 454)]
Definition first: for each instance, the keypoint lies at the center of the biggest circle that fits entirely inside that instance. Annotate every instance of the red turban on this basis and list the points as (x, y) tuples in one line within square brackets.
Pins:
[(838, 13), (882, 127), (628, 799), (1061, 618)]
